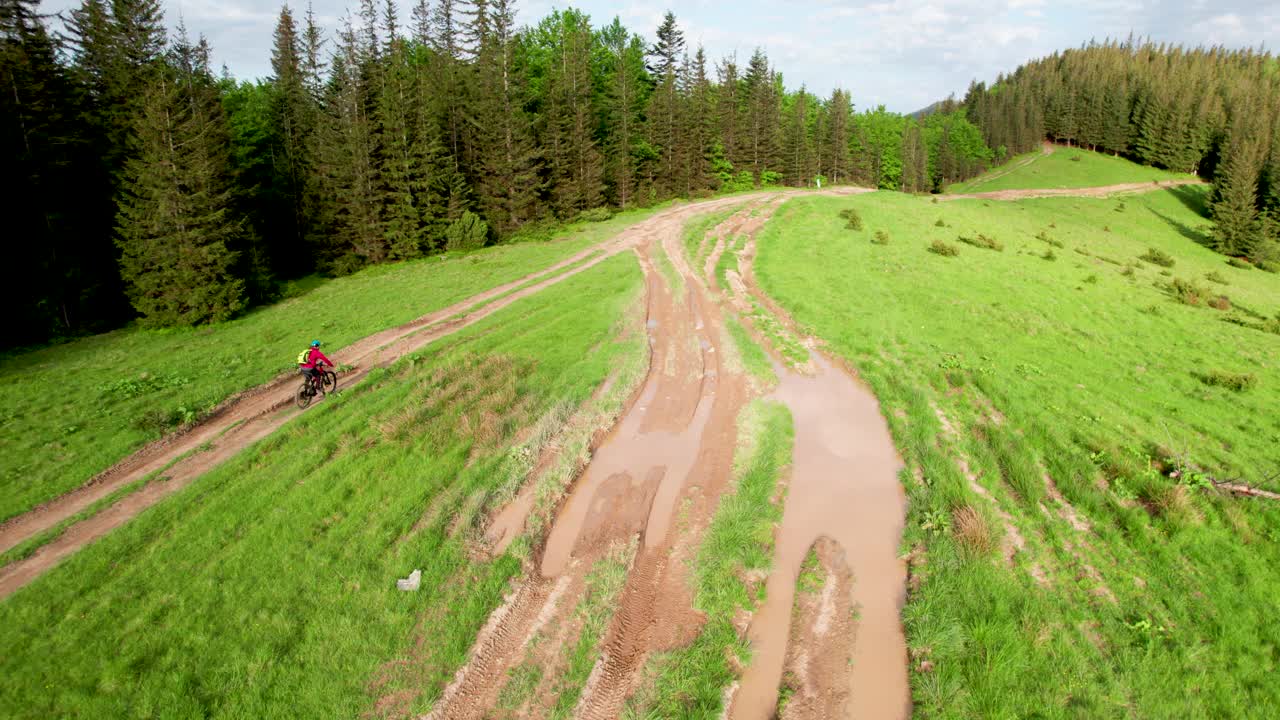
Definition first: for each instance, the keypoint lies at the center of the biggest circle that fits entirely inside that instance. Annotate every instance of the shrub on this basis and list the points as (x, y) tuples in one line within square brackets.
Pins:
[(1156, 256), (1238, 382), (1106, 228), (982, 241), (468, 232), (1043, 236), (599, 214), (770, 177), (1240, 263), (940, 248), (1048, 255), (1186, 291), (1127, 272), (1222, 302), (1269, 266), (1120, 207), (852, 218), (939, 223), (880, 238), (1215, 277), (1092, 279)]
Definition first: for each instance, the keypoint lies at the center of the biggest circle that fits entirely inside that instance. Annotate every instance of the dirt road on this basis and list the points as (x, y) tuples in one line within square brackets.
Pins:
[(1089, 192), (254, 414)]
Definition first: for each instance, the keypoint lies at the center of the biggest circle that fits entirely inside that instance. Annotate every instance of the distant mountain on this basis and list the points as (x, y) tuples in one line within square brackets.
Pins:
[(928, 110)]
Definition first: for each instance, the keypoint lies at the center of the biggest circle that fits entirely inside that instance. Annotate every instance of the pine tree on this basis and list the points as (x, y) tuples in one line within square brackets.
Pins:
[(701, 128), (295, 116), (573, 161), (625, 97), (1234, 208), (837, 161), (664, 105), (763, 116), (347, 152), (508, 161), (177, 238)]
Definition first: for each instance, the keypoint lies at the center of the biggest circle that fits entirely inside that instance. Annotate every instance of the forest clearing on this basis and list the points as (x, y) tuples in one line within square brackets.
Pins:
[(666, 388)]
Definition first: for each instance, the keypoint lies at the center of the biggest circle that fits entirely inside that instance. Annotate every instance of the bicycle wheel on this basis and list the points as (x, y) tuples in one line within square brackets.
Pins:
[(329, 381), (303, 396)]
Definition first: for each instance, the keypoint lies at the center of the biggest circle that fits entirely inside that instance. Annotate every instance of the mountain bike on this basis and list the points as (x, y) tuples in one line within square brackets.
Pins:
[(323, 383)]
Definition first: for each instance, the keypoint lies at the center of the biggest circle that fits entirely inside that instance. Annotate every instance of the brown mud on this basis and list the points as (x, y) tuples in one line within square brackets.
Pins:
[(821, 644), (843, 487), (657, 478)]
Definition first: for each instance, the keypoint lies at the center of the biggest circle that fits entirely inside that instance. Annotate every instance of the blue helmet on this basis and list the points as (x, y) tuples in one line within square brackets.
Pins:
[(315, 343)]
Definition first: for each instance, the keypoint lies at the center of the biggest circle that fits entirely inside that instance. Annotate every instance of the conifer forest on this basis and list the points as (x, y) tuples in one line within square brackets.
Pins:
[(146, 185)]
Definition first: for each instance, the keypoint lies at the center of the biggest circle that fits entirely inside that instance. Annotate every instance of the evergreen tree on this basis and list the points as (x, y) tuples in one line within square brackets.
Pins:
[(177, 239), (1234, 208), (665, 106), (508, 162), (625, 97), (294, 114)]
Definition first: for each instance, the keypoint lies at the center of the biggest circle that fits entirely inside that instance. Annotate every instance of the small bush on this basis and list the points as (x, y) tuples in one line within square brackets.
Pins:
[(1127, 272), (1238, 382), (468, 232), (1156, 256), (1186, 291), (982, 241), (1049, 255), (853, 221), (1269, 266), (1075, 158), (1240, 263), (1120, 207), (940, 248), (599, 214), (1216, 278), (880, 238), (1092, 279), (1222, 302), (1106, 228), (939, 223)]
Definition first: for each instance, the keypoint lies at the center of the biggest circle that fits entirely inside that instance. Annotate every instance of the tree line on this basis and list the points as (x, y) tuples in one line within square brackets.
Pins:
[(1210, 111), (147, 185)]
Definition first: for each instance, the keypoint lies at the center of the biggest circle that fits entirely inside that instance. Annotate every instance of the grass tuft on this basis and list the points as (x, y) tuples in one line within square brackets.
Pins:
[(1156, 256), (944, 249)]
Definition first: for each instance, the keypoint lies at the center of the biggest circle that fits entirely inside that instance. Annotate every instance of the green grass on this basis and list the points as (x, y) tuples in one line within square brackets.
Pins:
[(266, 589), (689, 682), (696, 228), (1065, 168), (69, 411), (1096, 382)]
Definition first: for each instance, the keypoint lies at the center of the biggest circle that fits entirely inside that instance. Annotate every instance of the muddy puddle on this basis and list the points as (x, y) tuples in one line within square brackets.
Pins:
[(844, 486)]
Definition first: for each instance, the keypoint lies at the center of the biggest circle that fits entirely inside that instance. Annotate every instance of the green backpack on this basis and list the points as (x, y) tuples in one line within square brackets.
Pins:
[(304, 356)]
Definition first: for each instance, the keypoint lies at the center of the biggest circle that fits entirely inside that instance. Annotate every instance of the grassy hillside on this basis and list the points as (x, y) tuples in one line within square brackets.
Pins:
[(1064, 168), (70, 411), (267, 588), (1043, 389)]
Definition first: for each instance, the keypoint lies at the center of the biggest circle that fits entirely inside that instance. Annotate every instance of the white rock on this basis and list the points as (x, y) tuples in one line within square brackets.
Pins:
[(411, 583)]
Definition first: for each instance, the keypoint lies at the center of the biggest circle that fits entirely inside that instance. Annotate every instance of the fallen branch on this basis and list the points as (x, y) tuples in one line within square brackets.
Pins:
[(1245, 490)]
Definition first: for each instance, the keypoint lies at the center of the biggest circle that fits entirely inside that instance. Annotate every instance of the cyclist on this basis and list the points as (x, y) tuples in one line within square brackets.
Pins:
[(309, 362)]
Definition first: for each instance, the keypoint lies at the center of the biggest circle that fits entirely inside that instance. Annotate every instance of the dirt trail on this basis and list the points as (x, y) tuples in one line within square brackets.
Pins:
[(672, 449), (659, 477), (1089, 192), (843, 487), (252, 415)]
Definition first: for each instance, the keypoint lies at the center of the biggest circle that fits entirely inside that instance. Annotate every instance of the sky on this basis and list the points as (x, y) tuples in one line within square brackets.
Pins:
[(903, 54)]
